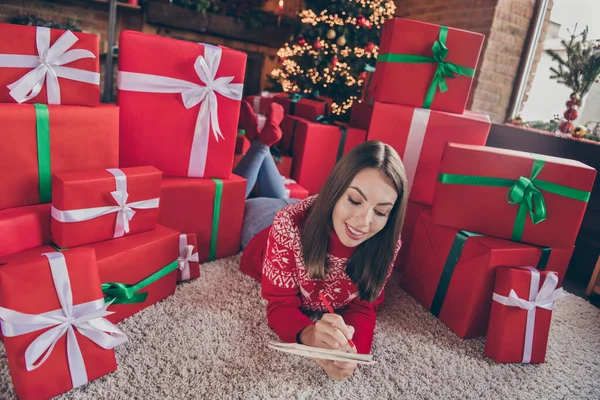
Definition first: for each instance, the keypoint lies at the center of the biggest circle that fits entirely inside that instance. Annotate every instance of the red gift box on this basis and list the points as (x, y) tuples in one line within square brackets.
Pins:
[(420, 136), (304, 107), (293, 190), (516, 334), (36, 66), (24, 228), (242, 144), (169, 119), (261, 103), (212, 209), (284, 165), (289, 127), (189, 266), (92, 206), (316, 150), (413, 209), (414, 69), (495, 202), (146, 262), (63, 139), (451, 272), (65, 286), (360, 115)]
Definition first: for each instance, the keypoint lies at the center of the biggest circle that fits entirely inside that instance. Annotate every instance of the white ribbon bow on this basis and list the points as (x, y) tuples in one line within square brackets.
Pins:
[(186, 255), (48, 66), (87, 318), (543, 298), (192, 94), (125, 211)]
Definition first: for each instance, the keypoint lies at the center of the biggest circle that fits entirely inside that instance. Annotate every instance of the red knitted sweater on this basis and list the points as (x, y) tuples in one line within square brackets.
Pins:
[(288, 289)]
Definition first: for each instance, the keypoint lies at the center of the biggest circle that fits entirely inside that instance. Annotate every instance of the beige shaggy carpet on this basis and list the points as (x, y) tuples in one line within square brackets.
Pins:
[(208, 341)]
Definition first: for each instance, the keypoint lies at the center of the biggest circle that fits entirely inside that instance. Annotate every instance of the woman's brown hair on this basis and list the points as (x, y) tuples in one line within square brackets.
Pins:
[(369, 264)]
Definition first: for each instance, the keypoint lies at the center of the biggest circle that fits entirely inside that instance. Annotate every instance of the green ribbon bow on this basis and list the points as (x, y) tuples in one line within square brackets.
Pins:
[(42, 120), (215, 220), (444, 69), (124, 293), (525, 191)]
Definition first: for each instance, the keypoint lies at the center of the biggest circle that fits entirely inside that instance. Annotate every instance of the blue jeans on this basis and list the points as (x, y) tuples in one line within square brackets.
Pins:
[(258, 167)]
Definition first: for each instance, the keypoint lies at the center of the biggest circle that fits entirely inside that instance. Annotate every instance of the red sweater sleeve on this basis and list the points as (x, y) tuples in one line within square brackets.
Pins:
[(361, 315), (280, 285)]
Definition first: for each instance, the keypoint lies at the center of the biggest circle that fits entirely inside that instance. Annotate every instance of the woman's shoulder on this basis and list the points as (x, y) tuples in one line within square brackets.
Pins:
[(288, 221)]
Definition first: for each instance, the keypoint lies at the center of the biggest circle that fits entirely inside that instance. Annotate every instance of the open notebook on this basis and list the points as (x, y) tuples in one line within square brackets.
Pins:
[(315, 352)]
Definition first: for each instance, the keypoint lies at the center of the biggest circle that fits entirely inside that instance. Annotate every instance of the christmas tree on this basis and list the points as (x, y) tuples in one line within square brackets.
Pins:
[(333, 50)]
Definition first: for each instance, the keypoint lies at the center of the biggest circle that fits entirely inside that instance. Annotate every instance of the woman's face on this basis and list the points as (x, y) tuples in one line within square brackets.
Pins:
[(364, 208)]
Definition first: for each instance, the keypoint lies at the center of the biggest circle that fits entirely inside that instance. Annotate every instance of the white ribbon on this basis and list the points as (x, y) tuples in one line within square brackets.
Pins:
[(414, 143), (125, 211), (192, 94), (87, 318), (544, 298), (262, 119), (186, 255), (287, 181), (48, 66)]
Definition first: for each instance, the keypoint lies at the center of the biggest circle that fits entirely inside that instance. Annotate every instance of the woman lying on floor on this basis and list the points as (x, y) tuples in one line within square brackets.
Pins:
[(342, 242)]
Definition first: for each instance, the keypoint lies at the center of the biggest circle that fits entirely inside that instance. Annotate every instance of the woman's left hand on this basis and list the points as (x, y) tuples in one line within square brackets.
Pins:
[(338, 370)]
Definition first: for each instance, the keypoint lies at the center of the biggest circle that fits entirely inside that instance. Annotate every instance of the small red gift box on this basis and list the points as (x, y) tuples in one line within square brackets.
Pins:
[(317, 148), (24, 228), (43, 140), (213, 209), (521, 314), (420, 136), (261, 103), (92, 206), (48, 66), (303, 106), (425, 65), (137, 271), (451, 272), (189, 266), (293, 190), (191, 96), (66, 287), (513, 195)]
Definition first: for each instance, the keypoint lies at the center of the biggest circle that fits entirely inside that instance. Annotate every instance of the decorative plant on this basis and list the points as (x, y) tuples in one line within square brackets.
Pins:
[(32, 20)]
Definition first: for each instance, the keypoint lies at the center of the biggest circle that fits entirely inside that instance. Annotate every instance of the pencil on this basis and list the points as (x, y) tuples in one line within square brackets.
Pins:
[(330, 309)]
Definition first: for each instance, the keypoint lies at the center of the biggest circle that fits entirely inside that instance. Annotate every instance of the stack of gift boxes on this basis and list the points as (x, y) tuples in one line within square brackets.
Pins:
[(106, 207), (479, 218)]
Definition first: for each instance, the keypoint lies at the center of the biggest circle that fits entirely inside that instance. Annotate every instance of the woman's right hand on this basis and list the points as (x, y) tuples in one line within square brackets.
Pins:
[(330, 332)]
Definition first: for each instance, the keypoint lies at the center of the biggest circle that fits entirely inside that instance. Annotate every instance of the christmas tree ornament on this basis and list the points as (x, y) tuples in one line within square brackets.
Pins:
[(579, 131), (369, 47), (317, 44), (570, 113), (331, 34), (361, 21), (301, 41), (362, 75), (282, 59), (341, 41), (334, 62)]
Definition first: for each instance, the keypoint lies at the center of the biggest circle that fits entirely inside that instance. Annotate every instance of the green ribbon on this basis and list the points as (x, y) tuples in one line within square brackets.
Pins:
[(42, 120), (241, 132), (524, 191), (215, 220), (124, 293), (543, 262), (294, 97), (444, 69), (276, 153), (342, 144), (451, 261)]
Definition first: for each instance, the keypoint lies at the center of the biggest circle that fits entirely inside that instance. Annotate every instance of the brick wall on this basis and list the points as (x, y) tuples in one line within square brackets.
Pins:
[(505, 24)]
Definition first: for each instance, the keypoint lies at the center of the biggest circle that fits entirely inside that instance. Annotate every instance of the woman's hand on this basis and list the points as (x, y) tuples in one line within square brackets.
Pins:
[(338, 370), (330, 332)]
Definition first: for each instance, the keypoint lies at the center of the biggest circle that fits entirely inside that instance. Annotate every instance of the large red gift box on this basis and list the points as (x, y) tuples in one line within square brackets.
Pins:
[(189, 266), (48, 66), (42, 140), (420, 136), (451, 272), (66, 285), (169, 117), (24, 228), (425, 65), (92, 206), (212, 209), (317, 148), (360, 115), (515, 334), (147, 262), (513, 195), (304, 107), (413, 209)]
